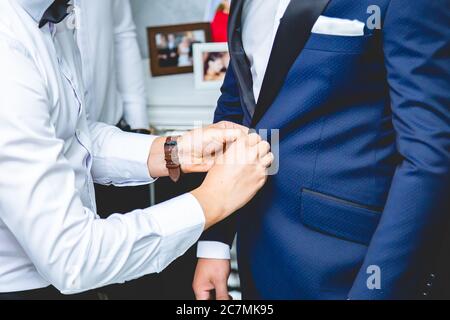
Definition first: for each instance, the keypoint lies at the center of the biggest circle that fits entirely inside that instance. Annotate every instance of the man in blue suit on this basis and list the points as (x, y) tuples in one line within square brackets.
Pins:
[(359, 204)]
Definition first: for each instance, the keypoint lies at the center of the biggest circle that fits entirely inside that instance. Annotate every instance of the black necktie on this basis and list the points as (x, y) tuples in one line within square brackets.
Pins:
[(56, 13)]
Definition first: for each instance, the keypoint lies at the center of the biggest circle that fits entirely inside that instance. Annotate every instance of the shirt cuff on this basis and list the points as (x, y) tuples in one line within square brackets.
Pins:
[(213, 250), (181, 222), (131, 152)]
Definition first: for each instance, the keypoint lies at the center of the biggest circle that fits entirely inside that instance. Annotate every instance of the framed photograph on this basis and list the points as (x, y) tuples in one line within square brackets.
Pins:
[(171, 47), (211, 61)]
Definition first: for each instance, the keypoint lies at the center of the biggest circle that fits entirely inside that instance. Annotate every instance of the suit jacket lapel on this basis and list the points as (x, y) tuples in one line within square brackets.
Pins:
[(241, 66), (293, 33)]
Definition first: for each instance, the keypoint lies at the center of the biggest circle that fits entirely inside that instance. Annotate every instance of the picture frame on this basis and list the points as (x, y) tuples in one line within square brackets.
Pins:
[(171, 47), (211, 61)]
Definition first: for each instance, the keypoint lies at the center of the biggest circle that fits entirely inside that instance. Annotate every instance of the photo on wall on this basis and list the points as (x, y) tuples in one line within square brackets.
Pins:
[(171, 47), (211, 61)]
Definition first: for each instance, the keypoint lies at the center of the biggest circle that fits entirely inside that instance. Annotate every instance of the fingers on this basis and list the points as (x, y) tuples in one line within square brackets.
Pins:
[(253, 139), (230, 135), (202, 287), (222, 290), (230, 125), (263, 148), (267, 160), (203, 295)]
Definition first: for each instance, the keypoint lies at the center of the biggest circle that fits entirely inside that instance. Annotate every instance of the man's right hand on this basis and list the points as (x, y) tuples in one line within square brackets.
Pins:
[(234, 180), (211, 274)]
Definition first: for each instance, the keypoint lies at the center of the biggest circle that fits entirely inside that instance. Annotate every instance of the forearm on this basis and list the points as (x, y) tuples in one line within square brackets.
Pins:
[(119, 249), (120, 158), (404, 245)]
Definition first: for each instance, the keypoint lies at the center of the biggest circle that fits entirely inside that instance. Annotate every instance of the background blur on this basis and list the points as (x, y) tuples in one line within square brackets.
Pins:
[(164, 12)]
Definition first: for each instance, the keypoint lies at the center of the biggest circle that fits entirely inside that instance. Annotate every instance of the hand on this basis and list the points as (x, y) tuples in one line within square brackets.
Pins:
[(234, 180), (198, 149), (211, 274)]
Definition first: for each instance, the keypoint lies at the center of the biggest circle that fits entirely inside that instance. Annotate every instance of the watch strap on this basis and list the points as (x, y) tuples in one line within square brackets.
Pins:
[(171, 156)]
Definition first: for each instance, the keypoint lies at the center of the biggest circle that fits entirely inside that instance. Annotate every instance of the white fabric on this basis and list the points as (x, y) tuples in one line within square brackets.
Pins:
[(112, 65), (213, 250), (50, 154), (260, 22), (338, 27)]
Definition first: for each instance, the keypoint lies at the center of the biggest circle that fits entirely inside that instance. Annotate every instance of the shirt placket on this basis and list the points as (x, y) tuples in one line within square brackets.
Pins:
[(68, 75)]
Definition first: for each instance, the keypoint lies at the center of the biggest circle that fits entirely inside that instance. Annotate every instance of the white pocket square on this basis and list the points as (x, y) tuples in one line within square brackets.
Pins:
[(338, 27)]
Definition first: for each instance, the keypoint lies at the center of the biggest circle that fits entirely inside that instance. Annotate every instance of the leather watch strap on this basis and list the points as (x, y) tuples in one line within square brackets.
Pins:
[(171, 157)]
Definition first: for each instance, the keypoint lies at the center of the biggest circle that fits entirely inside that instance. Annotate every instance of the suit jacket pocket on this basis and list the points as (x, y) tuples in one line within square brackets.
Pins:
[(339, 218), (339, 44)]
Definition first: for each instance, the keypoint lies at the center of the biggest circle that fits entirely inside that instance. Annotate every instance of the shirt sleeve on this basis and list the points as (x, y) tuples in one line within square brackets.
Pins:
[(119, 158), (213, 250), (130, 73), (69, 246)]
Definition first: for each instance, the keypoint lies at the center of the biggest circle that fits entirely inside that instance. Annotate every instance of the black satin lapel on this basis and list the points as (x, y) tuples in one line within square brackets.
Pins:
[(241, 66), (293, 33)]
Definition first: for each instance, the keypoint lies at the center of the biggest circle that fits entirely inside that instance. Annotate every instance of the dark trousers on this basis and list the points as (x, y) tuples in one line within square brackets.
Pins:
[(174, 283), (111, 200)]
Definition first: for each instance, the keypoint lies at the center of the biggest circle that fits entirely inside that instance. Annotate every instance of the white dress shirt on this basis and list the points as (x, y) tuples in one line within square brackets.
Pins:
[(50, 154), (260, 22), (112, 64)]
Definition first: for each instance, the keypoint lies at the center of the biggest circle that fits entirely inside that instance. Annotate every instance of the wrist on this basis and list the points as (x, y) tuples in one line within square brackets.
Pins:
[(156, 159), (213, 209)]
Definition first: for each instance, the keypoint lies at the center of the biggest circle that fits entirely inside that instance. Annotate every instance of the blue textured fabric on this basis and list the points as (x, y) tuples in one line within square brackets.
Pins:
[(365, 122)]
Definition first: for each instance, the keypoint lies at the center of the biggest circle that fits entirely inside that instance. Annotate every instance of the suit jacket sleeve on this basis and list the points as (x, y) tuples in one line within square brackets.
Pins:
[(228, 109), (415, 39)]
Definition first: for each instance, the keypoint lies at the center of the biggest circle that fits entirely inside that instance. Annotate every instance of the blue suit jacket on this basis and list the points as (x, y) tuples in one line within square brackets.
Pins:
[(364, 148)]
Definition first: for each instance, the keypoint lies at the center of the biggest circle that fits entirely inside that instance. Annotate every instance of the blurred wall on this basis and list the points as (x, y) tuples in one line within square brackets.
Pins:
[(164, 12)]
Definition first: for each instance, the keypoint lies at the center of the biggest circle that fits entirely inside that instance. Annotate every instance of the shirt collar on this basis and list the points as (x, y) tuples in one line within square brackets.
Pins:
[(35, 8)]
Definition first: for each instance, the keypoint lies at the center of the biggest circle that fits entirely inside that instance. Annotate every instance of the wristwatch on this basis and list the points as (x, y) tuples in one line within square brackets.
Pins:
[(171, 157)]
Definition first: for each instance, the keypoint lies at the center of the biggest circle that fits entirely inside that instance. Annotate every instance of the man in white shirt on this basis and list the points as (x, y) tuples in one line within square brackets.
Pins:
[(114, 82), (50, 154)]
